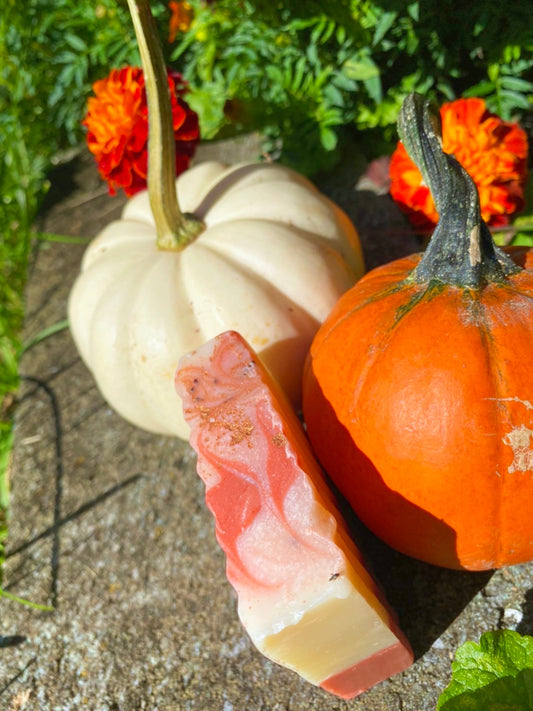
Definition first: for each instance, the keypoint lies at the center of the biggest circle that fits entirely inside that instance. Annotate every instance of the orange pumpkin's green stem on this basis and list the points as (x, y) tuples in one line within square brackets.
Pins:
[(174, 229), (461, 251)]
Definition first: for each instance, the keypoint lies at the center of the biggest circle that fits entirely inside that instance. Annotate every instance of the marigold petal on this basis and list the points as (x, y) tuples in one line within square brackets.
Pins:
[(117, 127), (493, 151), (180, 19)]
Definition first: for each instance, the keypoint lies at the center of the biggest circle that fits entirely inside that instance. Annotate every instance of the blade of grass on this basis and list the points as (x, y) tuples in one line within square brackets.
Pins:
[(25, 602), (63, 239), (45, 333)]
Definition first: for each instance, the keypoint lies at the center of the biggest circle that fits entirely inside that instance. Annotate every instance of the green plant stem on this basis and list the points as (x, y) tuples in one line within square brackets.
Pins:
[(23, 601), (62, 239), (45, 333), (174, 229), (512, 229)]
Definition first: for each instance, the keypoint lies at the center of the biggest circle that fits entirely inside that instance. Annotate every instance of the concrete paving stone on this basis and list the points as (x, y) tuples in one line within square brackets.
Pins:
[(108, 525)]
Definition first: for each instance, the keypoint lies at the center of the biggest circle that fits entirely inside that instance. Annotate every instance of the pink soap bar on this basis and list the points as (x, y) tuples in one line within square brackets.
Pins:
[(304, 595)]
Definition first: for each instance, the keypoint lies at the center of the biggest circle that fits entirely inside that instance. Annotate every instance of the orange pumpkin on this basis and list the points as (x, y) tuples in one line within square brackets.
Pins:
[(418, 389)]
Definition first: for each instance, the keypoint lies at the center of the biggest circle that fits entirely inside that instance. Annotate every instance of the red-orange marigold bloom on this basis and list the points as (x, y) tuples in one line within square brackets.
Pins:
[(494, 152), (180, 19), (117, 123)]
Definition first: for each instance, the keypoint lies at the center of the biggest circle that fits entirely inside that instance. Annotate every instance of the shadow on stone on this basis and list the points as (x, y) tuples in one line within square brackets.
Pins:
[(6, 687), (58, 483), (384, 231), (526, 625), (77, 203), (63, 180), (12, 640), (59, 520)]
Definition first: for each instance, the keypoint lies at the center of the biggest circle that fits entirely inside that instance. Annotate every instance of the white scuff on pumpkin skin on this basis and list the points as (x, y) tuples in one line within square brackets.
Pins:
[(526, 403), (519, 439)]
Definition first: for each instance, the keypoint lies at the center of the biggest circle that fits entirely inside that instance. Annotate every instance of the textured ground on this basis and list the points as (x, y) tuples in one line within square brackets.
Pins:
[(109, 527)]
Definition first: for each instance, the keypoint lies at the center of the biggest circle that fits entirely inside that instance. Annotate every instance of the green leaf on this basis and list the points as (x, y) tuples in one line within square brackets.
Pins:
[(334, 95), (523, 224), (494, 675), (385, 22), (373, 86), (493, 71), (484, 88), (413, 10), (312, 54), (523, 239), (517, 84), (323, 31), (6, 444), (45, 333), (75, 42), (514, 99), (360, 68), (446, 91), (340, 34), (342, 82), (328, 138)]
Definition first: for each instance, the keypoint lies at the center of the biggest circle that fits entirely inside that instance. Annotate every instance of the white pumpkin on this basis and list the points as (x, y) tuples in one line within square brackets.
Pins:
[(274, 257)]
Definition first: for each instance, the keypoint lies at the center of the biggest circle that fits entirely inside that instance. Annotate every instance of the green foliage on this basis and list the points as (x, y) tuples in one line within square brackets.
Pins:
[(6, 439), (53, 50), (520, 233), (303, 71), (50, 53), (494, 675)]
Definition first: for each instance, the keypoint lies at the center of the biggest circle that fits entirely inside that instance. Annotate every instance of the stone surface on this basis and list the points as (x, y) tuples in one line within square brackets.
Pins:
[(108, 525)]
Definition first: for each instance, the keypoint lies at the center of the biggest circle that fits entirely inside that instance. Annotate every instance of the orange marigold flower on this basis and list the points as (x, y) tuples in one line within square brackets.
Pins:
[(181, 18), (117, 123), (494, 152)]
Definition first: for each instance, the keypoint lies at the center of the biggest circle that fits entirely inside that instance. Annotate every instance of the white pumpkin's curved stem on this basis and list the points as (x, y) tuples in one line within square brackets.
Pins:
[(174, 229)]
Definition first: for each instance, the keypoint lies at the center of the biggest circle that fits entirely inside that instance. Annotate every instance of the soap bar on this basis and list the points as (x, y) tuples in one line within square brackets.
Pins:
[(304, 595)]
